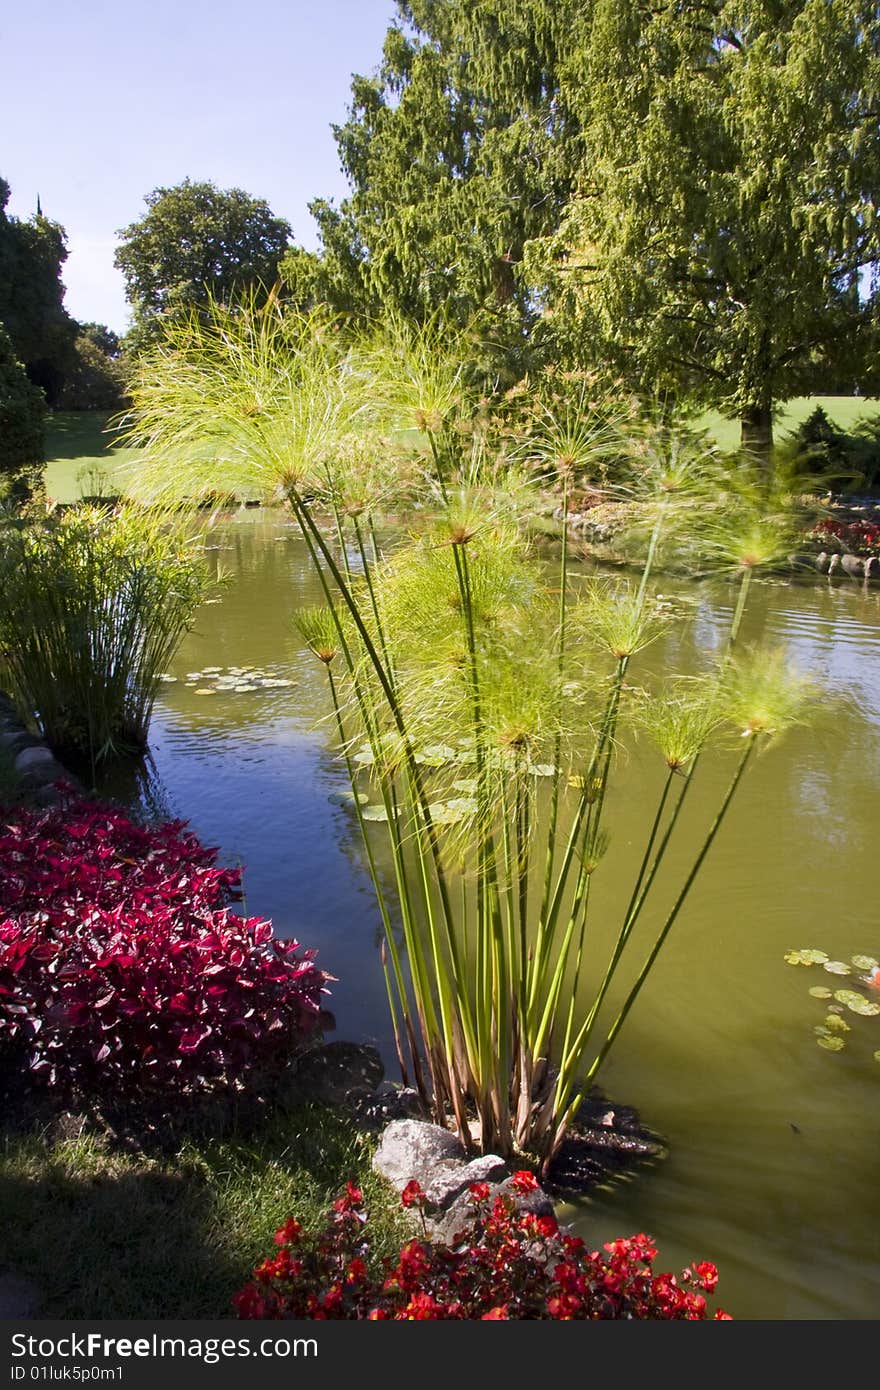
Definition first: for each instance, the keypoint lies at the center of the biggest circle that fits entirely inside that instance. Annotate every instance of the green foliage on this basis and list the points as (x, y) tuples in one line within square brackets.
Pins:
[(477, 697), (196, 242), (95, 379), (727, 200), (22, 411), (93, 604), (458, 151), (31, 297), (834, 456)]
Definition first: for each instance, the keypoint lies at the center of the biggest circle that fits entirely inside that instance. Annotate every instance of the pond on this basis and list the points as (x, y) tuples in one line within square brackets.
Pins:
[(771, 1169)]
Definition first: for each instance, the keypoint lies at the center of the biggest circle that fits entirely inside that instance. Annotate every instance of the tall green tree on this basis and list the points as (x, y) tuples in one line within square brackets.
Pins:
[(725, 217), (32, 311), (196, 242), (22, 410), (459, 150)]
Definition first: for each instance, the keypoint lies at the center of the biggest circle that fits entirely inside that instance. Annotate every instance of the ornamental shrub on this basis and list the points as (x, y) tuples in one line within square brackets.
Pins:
[(123, 972), (506, 1265)]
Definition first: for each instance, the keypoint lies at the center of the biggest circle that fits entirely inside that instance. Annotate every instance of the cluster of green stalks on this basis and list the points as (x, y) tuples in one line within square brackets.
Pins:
[(481, 691), (93, 604)]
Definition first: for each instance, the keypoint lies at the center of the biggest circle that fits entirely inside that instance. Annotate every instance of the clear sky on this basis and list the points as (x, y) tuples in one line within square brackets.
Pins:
[(102, 101)]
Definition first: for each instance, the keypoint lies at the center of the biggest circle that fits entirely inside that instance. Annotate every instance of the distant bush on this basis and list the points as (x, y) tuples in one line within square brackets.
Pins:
[(123, 973), (506, 1265), (95, 378), (818, 448)]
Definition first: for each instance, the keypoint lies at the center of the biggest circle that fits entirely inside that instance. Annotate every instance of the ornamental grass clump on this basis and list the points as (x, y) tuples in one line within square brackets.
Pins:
[(93, 604), (479, 695)]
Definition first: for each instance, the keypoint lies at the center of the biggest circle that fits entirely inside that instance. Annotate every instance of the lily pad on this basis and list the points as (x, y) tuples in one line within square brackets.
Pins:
[(467, 785), (865, 963), (857, 1003), (205, 690), (377, 813), (831, 1043), (347, 798), (805, 957), (836, 967), (837, 1024), (171, 680), (820, 992), (364, 757), (542, 769), (877, 1056)]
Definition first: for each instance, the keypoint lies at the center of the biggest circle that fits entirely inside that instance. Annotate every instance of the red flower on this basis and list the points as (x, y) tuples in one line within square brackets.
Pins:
[(412, 1195), (707, 1275), (351, 1198), (479, 1191), (289, 1233), (498, 1314), (524, 1181)]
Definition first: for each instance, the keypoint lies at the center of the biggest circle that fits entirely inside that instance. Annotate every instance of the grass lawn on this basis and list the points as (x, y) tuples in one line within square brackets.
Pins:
[(82, 455), (842, 411), (110, 1233)]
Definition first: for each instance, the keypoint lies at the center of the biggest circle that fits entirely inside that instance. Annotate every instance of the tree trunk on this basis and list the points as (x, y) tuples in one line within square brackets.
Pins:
[(756, 426)]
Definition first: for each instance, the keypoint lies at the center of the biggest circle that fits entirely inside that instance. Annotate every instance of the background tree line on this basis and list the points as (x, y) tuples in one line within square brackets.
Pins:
[(684, 195)]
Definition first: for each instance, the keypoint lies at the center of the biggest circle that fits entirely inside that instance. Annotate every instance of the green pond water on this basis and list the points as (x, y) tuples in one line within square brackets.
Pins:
[(772, 1163)]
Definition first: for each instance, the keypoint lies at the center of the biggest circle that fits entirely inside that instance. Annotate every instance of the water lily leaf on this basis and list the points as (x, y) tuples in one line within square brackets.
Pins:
[(831, 1044), (364, 757), (205, 690), (542, 769), (211, 670), (374, 813), (440, 752), (865, 963), (837, 1024), (808, 957), (857, 1003), (468, 785), (836, 967), (820, 992), (877, 1056), (347, 798), (165, 677)]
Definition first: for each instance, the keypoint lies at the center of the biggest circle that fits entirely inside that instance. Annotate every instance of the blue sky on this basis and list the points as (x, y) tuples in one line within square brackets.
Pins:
[(103, 100)]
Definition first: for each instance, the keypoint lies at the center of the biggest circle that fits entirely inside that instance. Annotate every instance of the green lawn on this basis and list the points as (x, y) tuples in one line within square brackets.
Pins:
[(842, 411), (83, 456), (107, 1231)]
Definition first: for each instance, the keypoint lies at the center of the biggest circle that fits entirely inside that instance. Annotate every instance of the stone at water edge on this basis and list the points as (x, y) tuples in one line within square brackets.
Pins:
[(436, 1159), (412, 1149)]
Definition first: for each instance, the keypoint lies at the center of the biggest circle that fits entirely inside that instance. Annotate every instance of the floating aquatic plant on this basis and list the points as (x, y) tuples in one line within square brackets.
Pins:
[(864, 1001)]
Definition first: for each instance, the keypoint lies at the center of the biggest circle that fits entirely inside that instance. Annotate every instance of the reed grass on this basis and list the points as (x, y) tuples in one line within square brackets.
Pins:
[(478, 698), (93, 605)]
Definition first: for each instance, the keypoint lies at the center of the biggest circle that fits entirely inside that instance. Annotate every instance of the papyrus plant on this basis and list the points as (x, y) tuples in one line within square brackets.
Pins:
[(478, 694), (94, 602)]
